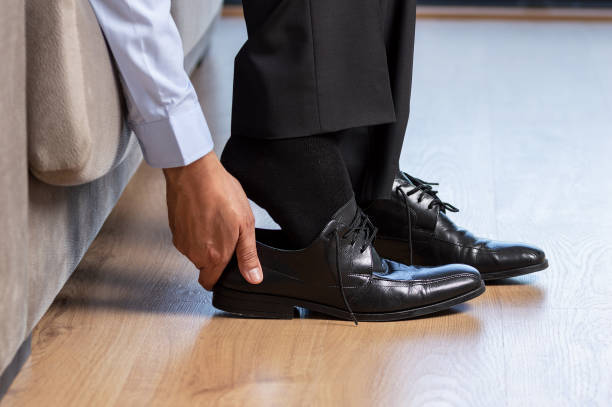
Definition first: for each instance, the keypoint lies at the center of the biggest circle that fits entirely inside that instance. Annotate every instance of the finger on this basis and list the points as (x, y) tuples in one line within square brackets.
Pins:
[(246, 254), (209, 277)]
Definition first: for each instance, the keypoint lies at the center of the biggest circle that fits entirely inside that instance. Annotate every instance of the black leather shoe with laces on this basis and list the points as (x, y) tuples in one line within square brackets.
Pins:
[(414, 229), (340, 274)]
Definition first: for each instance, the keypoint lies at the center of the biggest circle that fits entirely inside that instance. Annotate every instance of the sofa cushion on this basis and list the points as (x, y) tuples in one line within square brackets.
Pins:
[(76, 126), (75, 112)]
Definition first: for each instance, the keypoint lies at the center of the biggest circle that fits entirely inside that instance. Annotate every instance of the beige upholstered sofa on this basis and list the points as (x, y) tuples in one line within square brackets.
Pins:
[(65, 152)]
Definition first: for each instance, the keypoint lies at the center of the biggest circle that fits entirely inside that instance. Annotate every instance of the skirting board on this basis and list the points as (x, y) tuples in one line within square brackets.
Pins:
[(514, 13), (492, 13), (11, 371)]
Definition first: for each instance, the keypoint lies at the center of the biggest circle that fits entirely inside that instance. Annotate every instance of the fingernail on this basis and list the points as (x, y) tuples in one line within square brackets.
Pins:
[(255, 275)]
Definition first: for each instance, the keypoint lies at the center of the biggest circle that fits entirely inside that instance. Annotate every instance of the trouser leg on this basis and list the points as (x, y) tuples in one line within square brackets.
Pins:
[(379, 148), (311, 67)]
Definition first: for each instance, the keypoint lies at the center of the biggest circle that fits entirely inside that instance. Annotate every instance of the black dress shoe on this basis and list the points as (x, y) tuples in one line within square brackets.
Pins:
[(414, 229), (340, 274)]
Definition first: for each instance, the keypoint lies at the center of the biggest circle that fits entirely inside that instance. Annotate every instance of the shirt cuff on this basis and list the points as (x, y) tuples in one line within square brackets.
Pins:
[(175, 141)]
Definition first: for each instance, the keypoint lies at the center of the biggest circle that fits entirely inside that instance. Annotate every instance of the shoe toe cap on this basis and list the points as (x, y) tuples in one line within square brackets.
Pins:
[(436, 284), (450, 281), (517, 255), (404, 287), (534, 255)]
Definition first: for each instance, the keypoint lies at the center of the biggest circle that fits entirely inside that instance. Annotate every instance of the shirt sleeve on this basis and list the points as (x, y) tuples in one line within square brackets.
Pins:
[(163, 107)]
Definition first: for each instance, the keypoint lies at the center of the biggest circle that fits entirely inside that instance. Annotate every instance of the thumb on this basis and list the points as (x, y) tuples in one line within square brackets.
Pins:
[(246, 254)]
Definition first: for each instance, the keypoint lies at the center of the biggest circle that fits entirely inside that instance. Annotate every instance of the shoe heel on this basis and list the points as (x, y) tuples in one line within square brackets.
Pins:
[(252, 305)]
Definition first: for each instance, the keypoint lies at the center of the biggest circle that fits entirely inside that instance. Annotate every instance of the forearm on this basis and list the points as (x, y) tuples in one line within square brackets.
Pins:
[(164, 111)]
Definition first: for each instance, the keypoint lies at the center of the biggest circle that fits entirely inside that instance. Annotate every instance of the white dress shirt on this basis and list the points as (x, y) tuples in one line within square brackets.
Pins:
[(163, 107)]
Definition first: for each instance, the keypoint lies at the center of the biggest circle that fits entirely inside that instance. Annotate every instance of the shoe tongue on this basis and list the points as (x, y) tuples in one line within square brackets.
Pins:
[(405, 179), (379, 265), (346, 213), (344, 216)]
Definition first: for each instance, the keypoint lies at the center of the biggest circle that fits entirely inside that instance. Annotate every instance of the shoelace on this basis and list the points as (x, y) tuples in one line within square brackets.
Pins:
[(426, 189), (361, 225)]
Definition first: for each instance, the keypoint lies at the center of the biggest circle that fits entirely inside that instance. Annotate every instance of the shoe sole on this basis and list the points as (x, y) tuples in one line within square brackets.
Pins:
[(498, 275), (276, 307)]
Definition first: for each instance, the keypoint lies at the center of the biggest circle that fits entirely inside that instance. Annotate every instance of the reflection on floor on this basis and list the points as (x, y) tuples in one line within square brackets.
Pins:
[(514, 119)]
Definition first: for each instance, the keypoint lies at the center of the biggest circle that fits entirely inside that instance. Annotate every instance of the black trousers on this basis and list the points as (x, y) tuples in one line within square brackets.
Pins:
[(328, 66)]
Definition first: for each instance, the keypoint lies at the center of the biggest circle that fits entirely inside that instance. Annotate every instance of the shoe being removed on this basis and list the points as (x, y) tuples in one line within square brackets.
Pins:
[(340, 274)]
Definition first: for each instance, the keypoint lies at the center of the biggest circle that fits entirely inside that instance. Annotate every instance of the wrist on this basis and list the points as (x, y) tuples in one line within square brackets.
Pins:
[(206, 165)]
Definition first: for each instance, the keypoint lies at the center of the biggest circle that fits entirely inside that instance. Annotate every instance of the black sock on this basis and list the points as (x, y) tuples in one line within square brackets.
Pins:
[(354, 145), (301, 182)]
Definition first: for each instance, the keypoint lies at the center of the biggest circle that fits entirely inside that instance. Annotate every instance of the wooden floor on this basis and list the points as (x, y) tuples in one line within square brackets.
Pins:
[(515, 120)]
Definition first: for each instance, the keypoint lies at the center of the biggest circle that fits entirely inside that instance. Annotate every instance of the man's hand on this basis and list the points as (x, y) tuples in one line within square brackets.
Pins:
[(210, 217)]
